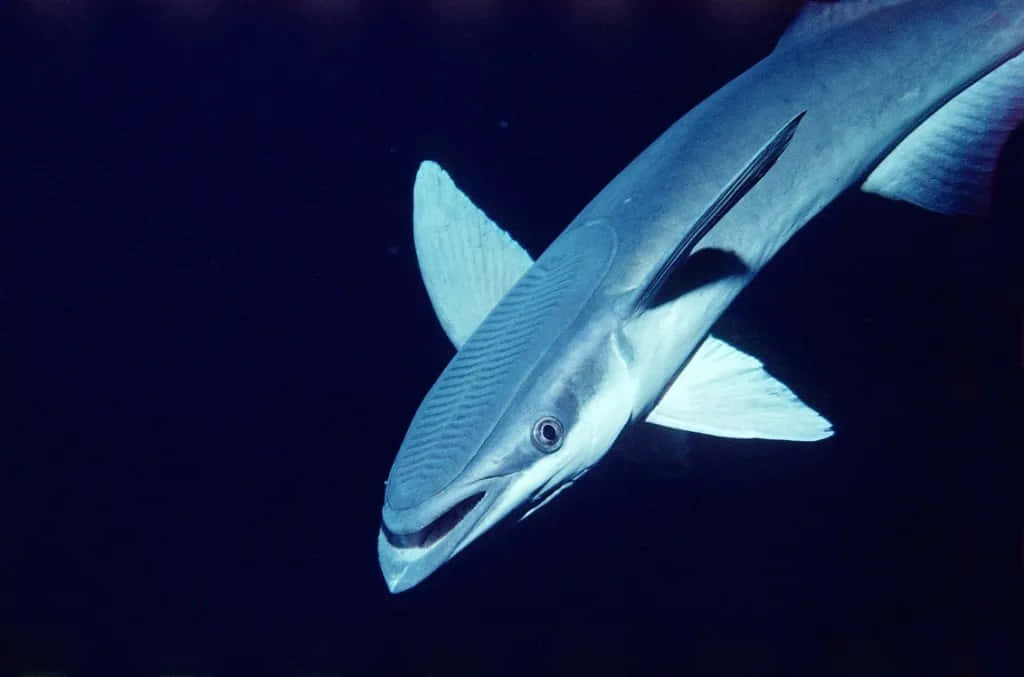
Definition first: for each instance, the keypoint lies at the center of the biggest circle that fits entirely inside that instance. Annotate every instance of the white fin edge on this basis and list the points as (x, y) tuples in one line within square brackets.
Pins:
[(467, 261), (724, 392)]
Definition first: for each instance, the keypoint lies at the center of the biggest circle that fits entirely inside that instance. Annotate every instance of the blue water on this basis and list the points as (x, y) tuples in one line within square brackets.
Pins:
[(213, 336)]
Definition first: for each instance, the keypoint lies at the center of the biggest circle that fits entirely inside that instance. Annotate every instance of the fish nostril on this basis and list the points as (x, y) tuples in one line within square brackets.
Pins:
[(437, 529)]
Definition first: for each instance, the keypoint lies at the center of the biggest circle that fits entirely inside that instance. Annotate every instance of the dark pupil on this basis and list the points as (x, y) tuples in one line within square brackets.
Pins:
[(549, 433)]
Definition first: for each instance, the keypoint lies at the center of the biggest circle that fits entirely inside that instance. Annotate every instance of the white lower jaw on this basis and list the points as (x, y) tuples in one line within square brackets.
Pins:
[(404, 567), (395, 562)]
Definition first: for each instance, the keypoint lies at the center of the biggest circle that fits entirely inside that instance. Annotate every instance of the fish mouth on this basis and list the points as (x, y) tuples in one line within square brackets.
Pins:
[(407, 557), (436, 530)]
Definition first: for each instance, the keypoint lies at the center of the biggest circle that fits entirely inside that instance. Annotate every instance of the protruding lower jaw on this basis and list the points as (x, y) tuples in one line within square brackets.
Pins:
[(408, 558), (398, 565)]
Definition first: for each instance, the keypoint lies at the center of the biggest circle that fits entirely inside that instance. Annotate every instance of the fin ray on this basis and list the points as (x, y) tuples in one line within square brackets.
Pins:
[(467, 261), (723, 391), (947, 163)]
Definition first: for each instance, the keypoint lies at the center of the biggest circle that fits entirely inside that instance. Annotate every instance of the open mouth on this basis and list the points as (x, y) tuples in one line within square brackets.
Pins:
[(436, 530)]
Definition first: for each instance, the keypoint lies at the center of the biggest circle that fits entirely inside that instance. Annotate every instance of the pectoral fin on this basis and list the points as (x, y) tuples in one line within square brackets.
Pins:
[(947, 163), (725, 392), (467, 261)]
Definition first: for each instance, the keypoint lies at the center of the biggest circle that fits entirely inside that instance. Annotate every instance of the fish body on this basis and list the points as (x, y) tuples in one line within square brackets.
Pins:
[(911, 99)]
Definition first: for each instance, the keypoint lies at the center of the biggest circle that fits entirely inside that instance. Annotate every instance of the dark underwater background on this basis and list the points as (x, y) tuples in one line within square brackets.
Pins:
[(213, 335)]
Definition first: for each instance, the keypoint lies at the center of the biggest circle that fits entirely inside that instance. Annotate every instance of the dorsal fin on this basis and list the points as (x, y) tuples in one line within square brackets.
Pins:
[(948, 162), (817, 18), (467, 261)]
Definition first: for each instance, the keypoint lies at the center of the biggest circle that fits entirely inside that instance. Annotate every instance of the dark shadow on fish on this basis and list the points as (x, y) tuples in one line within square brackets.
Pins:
[(702, 267)]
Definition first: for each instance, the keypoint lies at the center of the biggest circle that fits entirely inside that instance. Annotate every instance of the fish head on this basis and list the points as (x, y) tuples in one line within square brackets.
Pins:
[(552, 434), (534, 398)]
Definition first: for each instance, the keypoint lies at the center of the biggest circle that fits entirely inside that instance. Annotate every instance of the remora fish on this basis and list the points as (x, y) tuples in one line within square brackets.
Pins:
[(912, 99)]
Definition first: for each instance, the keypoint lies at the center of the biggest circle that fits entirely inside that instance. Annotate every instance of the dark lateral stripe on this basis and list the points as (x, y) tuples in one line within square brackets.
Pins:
[(726, 200)]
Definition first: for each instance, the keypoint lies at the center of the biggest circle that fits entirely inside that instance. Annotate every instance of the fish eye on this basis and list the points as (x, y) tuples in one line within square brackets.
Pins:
[(548, 433)]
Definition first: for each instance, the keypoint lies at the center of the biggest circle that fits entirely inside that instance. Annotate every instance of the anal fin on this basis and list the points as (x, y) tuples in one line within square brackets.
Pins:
[(947, 163)]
